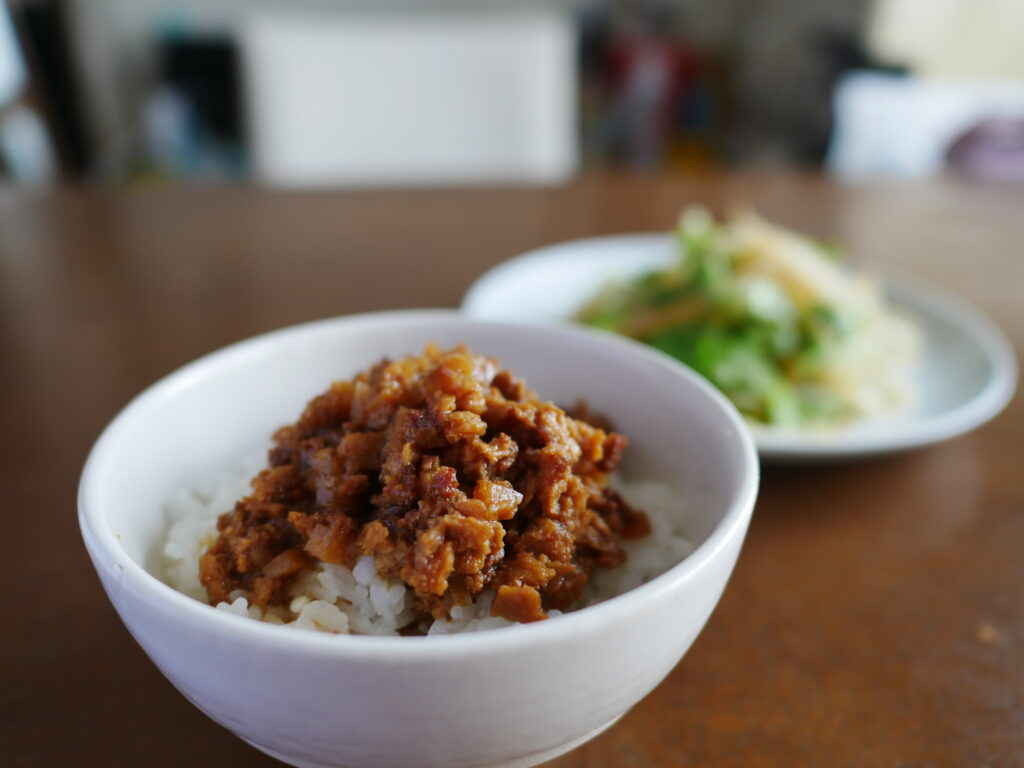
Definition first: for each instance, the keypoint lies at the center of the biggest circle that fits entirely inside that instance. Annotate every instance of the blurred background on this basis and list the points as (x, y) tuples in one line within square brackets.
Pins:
[(315, 93)]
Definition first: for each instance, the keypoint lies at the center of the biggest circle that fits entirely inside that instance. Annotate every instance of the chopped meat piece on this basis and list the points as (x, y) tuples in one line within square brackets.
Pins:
[(451, 474), (518, 604)]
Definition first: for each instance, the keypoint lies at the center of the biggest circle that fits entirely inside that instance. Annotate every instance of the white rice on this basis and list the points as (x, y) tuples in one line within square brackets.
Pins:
[(332, 598)]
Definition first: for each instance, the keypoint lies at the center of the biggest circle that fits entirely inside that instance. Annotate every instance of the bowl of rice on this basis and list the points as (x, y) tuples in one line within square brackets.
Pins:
[(345, 664)]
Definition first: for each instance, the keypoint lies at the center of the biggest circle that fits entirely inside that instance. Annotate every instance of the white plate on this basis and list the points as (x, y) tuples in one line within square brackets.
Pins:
[(967, 375)]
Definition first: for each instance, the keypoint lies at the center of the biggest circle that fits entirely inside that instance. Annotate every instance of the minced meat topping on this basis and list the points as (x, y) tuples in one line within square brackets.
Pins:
[(451, 473)]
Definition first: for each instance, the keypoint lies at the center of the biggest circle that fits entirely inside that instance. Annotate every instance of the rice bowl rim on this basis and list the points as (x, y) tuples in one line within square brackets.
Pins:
[(107, 552)]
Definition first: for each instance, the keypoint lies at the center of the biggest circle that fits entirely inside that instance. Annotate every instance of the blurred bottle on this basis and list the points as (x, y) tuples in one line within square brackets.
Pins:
[(169, 132), (647, 66)]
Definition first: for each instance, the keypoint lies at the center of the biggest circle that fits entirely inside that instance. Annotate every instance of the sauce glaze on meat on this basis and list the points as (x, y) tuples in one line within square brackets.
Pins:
[(451, 474)]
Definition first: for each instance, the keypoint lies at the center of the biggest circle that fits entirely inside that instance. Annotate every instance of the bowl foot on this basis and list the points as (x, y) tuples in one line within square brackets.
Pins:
[(519, 762)]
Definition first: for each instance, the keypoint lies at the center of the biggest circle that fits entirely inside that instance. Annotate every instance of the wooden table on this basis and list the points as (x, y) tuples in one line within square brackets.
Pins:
[(876, 617)]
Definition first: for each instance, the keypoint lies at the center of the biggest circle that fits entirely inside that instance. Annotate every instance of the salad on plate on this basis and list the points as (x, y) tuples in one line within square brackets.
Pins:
[(792, 335)]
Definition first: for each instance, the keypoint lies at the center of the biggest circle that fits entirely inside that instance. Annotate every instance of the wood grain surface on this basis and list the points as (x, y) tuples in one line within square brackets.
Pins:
[(875, 618)]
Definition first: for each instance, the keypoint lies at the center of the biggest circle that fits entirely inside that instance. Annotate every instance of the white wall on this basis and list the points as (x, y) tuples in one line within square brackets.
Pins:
[(112, 45)]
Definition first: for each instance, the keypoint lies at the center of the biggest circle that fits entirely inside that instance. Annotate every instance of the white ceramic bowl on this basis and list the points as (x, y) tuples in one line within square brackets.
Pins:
[(513, 696)]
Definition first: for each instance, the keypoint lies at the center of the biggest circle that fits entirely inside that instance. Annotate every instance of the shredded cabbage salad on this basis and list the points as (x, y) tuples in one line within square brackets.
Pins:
[(775, 320)]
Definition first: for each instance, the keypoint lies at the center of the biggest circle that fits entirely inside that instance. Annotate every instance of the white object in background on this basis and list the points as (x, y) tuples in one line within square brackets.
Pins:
[(12, 68), (411, 98), (505, 697), (968, 371), (892, 126), (25, 147)]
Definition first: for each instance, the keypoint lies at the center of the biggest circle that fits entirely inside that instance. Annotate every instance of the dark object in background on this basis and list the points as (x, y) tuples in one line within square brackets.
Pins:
[(836, 52), (193, 117), (204, 71), (44, 32), (992, 150)]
